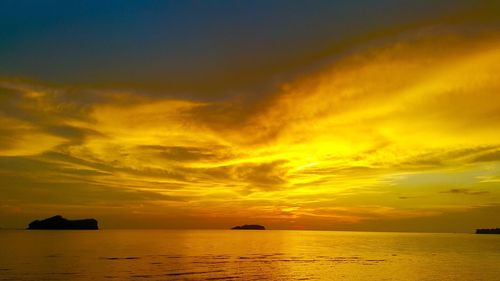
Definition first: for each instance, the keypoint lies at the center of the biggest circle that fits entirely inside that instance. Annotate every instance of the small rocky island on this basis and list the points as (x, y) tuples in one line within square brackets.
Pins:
[(60, 223), (488, 231), (249, 227)]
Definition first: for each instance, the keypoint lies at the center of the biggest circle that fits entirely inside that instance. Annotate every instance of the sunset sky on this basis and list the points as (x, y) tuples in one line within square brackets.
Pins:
[(335, 115)]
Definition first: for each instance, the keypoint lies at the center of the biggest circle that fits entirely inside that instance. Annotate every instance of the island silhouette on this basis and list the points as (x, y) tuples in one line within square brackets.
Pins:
[(249, 227), (59, 223), (488, 231)]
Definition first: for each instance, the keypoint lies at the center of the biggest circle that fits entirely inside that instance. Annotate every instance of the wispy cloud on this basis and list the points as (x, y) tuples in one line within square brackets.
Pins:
[(465, 191), (340, 141)]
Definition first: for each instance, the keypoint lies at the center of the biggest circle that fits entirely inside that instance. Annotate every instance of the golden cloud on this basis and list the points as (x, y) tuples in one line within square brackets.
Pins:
[(343, 135)]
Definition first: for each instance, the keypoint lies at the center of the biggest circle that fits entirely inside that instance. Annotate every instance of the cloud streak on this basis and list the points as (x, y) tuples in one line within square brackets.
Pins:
[(409, 116)]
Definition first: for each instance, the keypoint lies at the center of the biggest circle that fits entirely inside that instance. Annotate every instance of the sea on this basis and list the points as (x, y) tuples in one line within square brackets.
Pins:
[(145, 255)]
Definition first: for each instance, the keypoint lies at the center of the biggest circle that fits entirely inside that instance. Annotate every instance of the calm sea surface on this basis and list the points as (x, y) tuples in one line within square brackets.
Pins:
[(246, 255)]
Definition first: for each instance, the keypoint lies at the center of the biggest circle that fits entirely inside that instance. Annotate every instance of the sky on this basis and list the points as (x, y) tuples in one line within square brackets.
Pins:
[(316, 115)]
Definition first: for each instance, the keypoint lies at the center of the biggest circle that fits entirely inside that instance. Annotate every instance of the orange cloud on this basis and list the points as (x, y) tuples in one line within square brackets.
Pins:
[(403, 119)]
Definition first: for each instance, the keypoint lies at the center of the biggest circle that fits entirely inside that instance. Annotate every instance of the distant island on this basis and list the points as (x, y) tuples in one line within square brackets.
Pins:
[(488, 231), (60, 223), (249, 227)]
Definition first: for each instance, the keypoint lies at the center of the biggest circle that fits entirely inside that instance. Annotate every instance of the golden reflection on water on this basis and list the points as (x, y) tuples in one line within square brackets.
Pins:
[(246, 255)]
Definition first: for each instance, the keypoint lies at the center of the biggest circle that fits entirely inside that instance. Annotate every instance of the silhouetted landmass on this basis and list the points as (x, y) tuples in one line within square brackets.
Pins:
[(58, 222), (488, 231), (249, 227)]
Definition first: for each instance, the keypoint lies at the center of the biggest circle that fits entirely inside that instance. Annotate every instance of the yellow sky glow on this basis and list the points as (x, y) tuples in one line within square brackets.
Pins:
[(401, 130)]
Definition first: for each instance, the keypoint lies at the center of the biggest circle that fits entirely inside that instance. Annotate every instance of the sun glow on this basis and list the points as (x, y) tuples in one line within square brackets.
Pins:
[(377, 134)]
